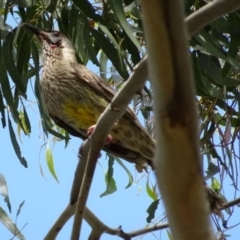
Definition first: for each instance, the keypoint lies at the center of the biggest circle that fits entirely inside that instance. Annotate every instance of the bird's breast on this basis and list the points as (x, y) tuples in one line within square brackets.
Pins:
[(65, 97)]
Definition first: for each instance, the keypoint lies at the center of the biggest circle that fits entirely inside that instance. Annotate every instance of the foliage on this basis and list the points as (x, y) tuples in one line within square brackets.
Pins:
[(111, 32)]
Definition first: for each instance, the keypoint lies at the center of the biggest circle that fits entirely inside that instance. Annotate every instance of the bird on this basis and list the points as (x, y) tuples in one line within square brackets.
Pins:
[(75, 97)]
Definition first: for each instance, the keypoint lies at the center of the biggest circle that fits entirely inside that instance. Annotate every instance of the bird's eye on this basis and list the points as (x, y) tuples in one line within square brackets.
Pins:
[(55, 38)]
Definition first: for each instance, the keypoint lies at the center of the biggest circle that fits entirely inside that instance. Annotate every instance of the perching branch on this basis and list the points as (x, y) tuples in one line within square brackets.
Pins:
[(92, 146)]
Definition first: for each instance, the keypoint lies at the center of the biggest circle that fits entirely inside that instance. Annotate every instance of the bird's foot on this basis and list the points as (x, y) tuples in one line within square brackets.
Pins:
[(90, 130)]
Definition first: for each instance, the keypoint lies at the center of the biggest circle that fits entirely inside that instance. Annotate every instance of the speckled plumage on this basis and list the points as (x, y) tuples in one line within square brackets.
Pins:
[(75, 97)]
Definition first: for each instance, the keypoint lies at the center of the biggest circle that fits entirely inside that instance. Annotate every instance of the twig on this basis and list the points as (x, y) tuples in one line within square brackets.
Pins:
[(98, 227), (61, 221), (231, 203), (89, 155), (77, 181)]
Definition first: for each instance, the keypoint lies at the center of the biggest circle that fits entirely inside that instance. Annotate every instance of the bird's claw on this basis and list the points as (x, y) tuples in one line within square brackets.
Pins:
[(90, 130)]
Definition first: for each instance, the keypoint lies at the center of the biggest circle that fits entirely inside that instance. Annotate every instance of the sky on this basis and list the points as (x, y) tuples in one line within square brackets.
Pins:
[(45, 198)]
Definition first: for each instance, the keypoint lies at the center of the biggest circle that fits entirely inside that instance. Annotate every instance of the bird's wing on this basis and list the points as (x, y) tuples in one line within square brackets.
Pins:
[(100, 86), (112, 148)]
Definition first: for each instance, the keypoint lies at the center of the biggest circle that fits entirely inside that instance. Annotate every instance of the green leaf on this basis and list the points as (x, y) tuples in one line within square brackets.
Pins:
[(52, 6), (10, 63), (88, 43), (146, 112), (222, 25), (151, 191), (200, 86), (232, 51), (110, 182), (151, 210), (6, 10), (26, 121), (6, 90), (216, 185), (130, 177), (79, 40), (15, 144), (117, 8), (131, 48), (50, 163), (20, 207), (210, 44), (110, 36), (103, 65), (8, 223), (24, 3), (212, 170), (4, 191), (35, 56), (87, 8), (2, 110), (111, 52), (207, 65), (23, 51)]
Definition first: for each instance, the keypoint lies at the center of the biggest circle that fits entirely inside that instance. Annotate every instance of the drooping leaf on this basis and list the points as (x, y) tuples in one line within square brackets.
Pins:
[(151, 210), (20, 207), (24, 3), (10, 64), (110, 182), (210, 44), (8, 223), (151, 191), (2, 110), (211, 171), (111, 52), (15, 144), (87, 8), (130, 177), (4, 191), (117, 7), (216, 185), (6, 90), (23, 51), (50, 163), (232, 51), (88, 43)]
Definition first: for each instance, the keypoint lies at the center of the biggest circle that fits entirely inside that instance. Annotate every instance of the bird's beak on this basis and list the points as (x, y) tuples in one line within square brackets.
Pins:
[(37, 31)]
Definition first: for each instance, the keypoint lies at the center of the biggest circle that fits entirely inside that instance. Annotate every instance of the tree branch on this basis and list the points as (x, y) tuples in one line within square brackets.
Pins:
[(98, 227), (177, 159), (210, 12), (92, 146)]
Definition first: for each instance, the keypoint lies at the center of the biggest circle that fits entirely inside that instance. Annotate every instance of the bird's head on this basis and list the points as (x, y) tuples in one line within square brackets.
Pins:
[(54, 44)]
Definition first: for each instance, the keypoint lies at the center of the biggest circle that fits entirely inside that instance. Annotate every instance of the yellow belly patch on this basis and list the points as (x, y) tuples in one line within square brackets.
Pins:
[(82, 115)]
